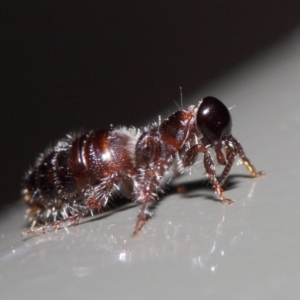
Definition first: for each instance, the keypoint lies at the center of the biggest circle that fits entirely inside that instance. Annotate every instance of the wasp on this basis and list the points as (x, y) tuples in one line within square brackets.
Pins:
[(82, 172)]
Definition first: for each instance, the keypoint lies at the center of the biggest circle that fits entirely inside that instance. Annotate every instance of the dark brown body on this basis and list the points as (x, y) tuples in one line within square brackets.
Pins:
[(80, 174), (76, 172)]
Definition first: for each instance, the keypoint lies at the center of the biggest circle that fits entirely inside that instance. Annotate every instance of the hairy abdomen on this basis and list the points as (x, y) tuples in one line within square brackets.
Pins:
[(77, 170)]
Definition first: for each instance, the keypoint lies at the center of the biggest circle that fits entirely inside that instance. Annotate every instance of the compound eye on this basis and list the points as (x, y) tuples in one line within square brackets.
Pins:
[(214, 120)]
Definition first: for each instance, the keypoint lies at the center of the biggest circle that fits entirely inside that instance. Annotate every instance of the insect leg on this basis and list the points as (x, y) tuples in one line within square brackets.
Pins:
[(146, 192), (245, 160), (191, 155), (190, 158), (230, 157), (211, 172)]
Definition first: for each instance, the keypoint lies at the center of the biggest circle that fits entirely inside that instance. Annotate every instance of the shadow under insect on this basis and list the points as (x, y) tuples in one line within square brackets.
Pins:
[(196, 189), (187, 190)]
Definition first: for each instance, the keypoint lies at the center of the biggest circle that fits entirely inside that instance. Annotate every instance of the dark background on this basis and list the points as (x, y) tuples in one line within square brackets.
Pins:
[(68, 65)]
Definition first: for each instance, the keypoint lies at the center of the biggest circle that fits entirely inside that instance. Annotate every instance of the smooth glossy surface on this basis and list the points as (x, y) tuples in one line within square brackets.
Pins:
[(194, 248), (214, 120)]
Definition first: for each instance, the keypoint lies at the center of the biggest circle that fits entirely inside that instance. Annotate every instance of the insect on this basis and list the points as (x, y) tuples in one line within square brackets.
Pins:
[(80, 174)]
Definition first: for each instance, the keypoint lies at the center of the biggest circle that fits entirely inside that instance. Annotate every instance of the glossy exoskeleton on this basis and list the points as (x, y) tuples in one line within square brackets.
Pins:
[(81, 173)]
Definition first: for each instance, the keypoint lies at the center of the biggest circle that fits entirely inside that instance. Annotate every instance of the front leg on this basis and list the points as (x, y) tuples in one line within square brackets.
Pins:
[(192, 154), (211, 172), (230, 155), (191, 157), (245, 159)]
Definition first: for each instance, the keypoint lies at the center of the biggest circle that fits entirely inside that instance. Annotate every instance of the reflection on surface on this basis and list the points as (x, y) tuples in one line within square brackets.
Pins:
[(201, 241), (203, 260)]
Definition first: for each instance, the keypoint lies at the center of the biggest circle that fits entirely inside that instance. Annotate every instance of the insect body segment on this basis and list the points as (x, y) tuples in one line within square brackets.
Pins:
[(81, 173)]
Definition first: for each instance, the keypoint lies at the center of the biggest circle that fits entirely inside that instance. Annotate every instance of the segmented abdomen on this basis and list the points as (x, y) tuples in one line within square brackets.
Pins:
[(75, 170)]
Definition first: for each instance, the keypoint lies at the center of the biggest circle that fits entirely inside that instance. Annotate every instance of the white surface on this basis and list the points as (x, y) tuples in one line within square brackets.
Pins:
[(194, 247)]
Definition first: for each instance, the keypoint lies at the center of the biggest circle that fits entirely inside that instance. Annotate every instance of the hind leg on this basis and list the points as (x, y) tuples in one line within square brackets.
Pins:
[(71, 212)]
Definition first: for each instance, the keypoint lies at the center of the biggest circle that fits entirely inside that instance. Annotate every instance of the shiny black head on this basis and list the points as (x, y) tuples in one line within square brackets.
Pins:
[(214, 122)]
